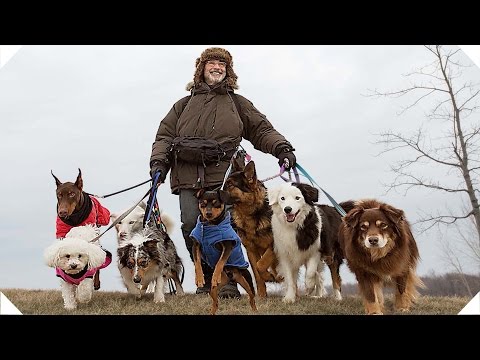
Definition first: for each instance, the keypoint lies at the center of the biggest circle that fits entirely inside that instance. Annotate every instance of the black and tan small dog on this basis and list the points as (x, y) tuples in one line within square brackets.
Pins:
[(217, 244)]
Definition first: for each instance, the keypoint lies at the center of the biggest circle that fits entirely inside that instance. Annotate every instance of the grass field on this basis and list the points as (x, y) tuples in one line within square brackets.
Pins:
[(50, 302)]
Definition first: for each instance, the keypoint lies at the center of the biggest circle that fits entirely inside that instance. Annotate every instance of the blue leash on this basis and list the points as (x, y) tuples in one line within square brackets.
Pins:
[(338, 207), (150, 202)]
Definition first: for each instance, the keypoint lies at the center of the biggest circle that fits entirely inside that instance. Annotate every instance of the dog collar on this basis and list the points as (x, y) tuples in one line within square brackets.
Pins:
[(81, 214), (77, 275)]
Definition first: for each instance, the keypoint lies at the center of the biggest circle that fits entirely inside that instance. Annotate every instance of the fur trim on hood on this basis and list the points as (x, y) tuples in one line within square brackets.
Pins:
[(214, 53)]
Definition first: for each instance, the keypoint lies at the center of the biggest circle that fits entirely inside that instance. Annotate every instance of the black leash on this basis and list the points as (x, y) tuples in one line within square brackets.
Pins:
[(152, 213), (118, 192), (121, 217)]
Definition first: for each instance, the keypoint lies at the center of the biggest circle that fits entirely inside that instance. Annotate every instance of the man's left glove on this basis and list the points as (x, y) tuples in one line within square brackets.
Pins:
[(286, 156), (161, 167)]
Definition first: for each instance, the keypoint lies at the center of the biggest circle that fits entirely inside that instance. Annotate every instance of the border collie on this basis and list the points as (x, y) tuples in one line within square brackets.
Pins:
[(299, 227)]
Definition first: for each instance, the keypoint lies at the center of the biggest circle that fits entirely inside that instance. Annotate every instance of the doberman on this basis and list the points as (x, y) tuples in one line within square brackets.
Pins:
[(77, 208), (217, 244)]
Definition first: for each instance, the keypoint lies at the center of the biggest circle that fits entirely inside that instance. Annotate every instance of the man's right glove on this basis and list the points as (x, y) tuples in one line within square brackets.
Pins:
[(161, 167), (283, 153)]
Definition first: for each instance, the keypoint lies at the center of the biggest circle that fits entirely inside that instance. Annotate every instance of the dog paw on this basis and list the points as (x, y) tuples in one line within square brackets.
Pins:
[(70, 307), (321, 292), (159, 300), (267, 276), (288, 299), (216, 279)]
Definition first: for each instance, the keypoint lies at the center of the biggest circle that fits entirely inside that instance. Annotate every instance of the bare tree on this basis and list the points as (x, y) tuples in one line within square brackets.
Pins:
[(451, 101)]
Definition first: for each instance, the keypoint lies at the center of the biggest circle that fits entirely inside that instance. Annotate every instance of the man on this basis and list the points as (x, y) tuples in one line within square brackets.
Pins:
[(212, 111)]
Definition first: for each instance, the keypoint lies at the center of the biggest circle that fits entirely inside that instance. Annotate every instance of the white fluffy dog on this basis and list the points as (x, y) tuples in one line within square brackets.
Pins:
[(296, 226), (76, 260)]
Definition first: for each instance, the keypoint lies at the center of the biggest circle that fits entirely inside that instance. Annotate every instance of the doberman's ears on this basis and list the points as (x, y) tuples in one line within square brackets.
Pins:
[(57, 182), (79, 181)]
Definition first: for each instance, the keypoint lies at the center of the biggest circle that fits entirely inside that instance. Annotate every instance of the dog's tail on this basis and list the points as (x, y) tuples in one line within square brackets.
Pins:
[(413, 284), (168, 222)]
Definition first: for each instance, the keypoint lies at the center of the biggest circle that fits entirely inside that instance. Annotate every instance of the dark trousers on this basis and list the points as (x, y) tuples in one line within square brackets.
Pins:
[(189, 213)]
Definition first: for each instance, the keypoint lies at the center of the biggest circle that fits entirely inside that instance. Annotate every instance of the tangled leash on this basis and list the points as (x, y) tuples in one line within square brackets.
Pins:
[(121, 217), (152, 213), (340, 210)]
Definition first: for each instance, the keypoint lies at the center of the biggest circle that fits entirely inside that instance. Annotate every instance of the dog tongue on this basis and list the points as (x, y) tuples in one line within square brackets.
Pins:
[(290, 217)]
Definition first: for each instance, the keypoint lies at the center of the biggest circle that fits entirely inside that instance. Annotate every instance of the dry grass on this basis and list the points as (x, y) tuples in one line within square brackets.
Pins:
[(49, 302)]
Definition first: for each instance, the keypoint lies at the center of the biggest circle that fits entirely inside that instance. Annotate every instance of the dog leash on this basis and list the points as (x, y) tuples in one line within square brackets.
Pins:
[(118, 192), (153, 211), (340, 210), (152, 200), (121, 217), (230, 166)]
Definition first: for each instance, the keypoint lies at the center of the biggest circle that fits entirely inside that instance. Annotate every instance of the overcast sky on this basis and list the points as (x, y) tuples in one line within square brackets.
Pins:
[(98, 108)]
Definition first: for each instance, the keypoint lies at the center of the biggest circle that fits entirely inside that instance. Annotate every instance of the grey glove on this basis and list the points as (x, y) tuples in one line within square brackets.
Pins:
[(157, 166), (286, 156)]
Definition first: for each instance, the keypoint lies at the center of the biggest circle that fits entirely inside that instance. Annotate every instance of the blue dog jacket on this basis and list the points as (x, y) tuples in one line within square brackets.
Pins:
[(209, 235)]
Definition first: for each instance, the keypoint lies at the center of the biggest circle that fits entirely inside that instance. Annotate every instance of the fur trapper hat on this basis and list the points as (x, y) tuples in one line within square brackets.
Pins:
[(215, 53)]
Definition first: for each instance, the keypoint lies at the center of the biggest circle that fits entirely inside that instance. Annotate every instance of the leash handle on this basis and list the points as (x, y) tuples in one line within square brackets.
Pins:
[(150, 202)]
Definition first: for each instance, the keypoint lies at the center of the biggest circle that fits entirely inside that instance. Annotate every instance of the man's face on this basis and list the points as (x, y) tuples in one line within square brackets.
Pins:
[(215, 71)]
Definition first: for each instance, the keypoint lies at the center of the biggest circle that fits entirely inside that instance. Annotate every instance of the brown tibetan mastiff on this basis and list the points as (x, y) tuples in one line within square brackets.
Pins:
[(380, 249)]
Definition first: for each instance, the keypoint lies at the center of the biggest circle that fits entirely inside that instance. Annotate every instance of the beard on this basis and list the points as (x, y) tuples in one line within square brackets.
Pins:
[(215, 78)]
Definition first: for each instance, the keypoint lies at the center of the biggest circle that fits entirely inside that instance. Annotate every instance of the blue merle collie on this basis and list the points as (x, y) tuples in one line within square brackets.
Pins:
[(149, 257)]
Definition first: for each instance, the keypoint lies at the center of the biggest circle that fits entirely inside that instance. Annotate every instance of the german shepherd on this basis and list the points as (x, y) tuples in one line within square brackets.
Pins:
[(252, 216)]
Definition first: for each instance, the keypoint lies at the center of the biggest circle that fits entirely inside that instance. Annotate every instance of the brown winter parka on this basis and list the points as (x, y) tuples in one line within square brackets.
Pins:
[(211, 113)]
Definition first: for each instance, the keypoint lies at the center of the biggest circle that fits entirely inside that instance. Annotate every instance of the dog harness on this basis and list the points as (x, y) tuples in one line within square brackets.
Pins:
[(210, 235), (99, 215), (76, 279)]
